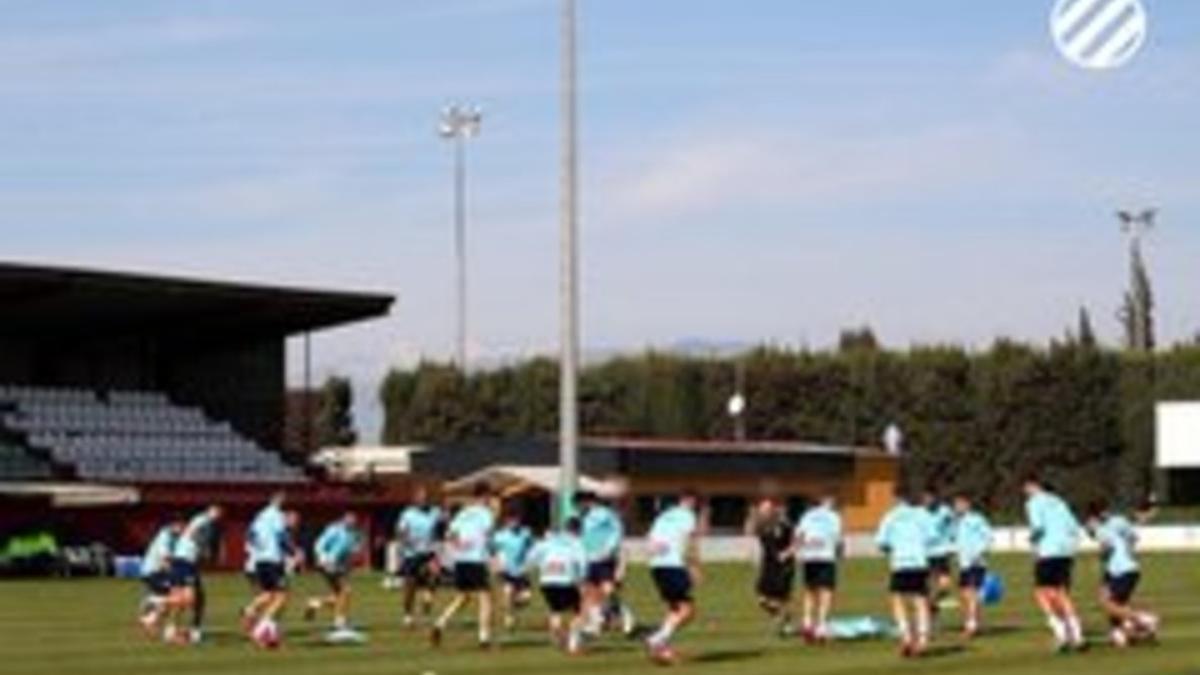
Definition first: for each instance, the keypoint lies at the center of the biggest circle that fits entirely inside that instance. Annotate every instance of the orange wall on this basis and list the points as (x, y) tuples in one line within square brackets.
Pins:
[(864, 495)]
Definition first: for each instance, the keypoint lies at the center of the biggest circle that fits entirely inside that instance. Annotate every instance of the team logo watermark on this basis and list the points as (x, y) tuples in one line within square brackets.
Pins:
[(1098, 34)]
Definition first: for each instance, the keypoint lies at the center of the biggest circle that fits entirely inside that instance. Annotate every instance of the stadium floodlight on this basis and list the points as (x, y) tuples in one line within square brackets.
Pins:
[(568, 404), (458, 124), (1136, 223), (736, 406)]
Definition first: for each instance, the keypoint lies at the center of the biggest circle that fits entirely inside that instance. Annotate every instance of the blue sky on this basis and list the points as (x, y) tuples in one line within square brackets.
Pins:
[(755, 170)]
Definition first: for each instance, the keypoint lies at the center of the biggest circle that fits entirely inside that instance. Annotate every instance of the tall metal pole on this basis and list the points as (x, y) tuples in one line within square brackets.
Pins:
[(569, 271), (460, 244), (308, 396), (459, 124)]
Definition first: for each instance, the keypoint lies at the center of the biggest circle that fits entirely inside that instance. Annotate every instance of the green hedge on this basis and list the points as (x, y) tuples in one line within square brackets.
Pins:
[(973, 420)]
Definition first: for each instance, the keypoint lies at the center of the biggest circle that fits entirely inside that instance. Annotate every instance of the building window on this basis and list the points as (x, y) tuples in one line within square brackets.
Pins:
[(797, 505), (727, 514)]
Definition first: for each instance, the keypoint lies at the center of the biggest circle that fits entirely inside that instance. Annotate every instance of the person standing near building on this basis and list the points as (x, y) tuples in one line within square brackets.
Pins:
[(675, 570), (819, 541), (776, 564), (469, 537), (1054, 534)]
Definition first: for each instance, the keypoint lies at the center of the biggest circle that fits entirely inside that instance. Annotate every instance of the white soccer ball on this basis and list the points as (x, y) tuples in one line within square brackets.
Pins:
[(267, 634)]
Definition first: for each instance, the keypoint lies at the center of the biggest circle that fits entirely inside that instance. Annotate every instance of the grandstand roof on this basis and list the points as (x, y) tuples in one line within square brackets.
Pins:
[(40, 300)]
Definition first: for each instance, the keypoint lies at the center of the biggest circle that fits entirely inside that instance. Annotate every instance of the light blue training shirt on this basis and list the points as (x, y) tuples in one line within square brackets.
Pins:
[(471, 533), (602, 532), (670, 536), (820, 534), (560, 560), (905, 535), (1053, 528)]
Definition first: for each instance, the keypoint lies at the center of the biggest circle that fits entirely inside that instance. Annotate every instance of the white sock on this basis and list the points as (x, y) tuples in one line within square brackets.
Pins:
[(663, 634), (904, 628), (485, 635), (1074, 630), (922, 629), (1058, 628), (573, 640)]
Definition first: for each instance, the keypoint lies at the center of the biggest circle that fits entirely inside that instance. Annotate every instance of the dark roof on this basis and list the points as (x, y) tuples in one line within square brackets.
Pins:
[(668, 445), (39, 300), (642, 456)]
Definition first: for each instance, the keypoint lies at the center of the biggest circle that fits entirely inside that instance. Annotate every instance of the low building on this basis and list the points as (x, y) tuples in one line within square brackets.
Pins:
[(646, 472)]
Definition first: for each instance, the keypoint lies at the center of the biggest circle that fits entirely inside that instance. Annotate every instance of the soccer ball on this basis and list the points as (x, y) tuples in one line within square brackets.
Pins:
[(992, 592), (266, 635)]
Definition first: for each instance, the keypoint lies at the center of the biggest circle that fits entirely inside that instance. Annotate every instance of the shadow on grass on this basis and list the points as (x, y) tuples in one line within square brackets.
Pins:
[(943, 651), (999, 630), (518, 643), (727, 656)]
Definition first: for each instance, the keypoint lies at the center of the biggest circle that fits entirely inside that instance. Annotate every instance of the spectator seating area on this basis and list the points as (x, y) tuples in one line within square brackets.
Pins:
[(17, 463), (135, 436)]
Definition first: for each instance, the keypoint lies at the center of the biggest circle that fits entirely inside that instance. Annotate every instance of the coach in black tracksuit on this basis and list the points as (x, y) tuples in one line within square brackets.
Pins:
[(777, 564)]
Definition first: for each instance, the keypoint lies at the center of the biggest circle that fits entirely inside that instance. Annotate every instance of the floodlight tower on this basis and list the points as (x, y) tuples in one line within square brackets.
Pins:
[(458, 124)]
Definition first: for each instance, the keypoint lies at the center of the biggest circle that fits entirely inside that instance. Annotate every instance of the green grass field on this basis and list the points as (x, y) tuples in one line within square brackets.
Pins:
[(86, 626)]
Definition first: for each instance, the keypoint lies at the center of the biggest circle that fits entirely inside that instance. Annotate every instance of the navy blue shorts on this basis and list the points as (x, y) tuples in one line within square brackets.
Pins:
[(184, 573), (157, 584), (1053, 572), (1122, 588), (820, 576), (271, 576), (562, 599), (909, 582), (418, 569), (674, 585), (939, 566), (471, 577), (972, 577), (602, 571), (518, 582)]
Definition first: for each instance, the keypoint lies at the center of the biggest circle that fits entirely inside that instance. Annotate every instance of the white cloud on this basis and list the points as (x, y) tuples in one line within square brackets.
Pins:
[(722, 168), (88, 44)]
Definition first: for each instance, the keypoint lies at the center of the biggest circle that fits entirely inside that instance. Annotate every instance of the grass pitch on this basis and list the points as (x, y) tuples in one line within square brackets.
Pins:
[(75, 627)]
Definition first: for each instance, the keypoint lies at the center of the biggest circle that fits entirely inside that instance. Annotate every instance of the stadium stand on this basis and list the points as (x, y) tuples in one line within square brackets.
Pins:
[(132, 436), (17, 463)]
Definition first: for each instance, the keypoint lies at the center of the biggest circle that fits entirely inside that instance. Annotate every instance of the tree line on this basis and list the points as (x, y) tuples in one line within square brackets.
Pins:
[(975, 420)]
